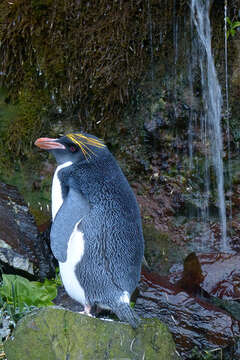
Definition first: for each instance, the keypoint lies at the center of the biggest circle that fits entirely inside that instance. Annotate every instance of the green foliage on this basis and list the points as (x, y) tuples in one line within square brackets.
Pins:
[(231, 27), (132, 304), (19, 295)]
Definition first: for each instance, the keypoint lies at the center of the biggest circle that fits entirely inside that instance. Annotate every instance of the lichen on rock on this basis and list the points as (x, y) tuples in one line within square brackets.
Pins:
[(55, 333)]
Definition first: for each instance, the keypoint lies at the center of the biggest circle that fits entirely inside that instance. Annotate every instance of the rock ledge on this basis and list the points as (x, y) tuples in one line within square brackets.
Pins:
[(57, 334)]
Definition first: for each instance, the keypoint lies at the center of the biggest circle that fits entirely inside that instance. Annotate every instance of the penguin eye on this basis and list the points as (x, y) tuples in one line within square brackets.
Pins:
[(73, 148)]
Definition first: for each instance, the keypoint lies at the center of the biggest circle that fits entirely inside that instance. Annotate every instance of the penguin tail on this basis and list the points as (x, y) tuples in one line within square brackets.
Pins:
[(125, 313)]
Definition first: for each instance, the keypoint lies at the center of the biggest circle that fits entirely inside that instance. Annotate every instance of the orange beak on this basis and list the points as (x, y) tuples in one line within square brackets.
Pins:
[(48, 144)]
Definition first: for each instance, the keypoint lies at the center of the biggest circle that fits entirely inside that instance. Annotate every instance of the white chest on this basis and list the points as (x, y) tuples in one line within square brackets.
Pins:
[(67, 269), (57, 198), (75, 248)]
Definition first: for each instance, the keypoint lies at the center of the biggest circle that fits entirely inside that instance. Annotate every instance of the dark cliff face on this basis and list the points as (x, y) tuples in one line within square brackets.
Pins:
[(89, 80), (126, 78), (132, 87), (118, 45)]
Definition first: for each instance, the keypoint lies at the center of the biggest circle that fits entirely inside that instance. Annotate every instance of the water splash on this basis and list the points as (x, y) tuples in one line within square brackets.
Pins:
[(212, 102)]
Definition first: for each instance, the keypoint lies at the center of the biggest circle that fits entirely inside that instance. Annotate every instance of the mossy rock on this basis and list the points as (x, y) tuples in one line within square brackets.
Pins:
[(58, 334), (160, 251)]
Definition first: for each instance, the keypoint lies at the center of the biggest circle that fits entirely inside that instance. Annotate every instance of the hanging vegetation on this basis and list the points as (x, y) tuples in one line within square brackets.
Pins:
[(88, 55)]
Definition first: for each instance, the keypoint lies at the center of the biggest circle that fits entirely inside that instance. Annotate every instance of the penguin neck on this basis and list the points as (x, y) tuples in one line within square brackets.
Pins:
[(57, 193)]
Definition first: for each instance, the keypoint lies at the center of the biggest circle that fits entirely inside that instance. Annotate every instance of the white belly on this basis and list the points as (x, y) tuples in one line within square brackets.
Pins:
[(67, 269), (57, 198)]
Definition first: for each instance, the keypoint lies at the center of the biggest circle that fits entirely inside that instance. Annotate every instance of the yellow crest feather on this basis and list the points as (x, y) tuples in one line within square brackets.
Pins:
[(84, 142)]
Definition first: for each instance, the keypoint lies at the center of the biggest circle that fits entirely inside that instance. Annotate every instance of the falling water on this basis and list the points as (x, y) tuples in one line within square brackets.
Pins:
[(190, 79), (212, 102)]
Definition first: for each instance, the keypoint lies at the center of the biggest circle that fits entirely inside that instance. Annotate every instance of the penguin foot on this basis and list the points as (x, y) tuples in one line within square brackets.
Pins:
[(87, 309), (125, 313)]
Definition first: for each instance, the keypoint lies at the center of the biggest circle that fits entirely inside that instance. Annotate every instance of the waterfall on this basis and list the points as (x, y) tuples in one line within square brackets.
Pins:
[(212, 103)]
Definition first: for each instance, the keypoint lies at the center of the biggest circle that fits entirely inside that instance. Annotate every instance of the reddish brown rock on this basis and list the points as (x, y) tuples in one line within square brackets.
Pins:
[(217, 273), (192, 321)]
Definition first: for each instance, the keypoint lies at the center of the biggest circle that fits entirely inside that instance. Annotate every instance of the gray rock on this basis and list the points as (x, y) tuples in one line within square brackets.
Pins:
[(21, 247), (58, 334), (17, 261)]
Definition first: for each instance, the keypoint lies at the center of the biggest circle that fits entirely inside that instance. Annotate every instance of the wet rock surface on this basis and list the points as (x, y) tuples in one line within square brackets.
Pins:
[(217, 273), (184, 302), (193, 321), (61, 334), (22, 249)]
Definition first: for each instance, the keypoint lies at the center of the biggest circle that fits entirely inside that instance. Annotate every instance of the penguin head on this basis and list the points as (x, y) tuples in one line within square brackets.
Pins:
[(72, 147)]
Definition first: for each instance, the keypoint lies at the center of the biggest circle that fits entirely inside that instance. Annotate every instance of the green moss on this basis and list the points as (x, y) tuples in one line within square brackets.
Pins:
[(25, 123), (88, 56), (26, 176), (160, 250), (59, 334), (20, 162)]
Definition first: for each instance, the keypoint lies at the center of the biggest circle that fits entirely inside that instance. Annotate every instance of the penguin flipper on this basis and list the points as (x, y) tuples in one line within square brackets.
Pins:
[(73, 209)]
